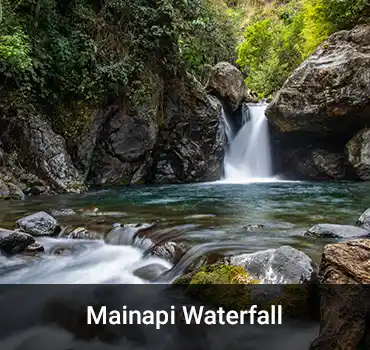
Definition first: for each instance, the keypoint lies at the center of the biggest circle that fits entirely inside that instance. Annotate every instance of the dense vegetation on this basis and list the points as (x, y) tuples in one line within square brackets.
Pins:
[(64, 57), (283, 33)]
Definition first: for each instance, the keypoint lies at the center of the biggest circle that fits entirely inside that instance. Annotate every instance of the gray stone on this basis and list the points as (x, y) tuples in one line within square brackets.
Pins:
[(39, 224), (126, 234), (358, 151), (364, 220), (328, 95), (13, 242), (10, 191), (284, 265), (227, 83), (336, 231), (83, 233)]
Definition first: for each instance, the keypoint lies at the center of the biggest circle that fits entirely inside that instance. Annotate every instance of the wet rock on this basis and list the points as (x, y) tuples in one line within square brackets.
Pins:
[(336, 231), (62, 212), (364, 220), (10, 191), (83, 233), (227, 83), (358, 151), (39, 224), (126, 234), (345, 299), (329, 93), (170, 251), (254, 227), (14, 242), (35, 248), (284, 265), (150, 272)]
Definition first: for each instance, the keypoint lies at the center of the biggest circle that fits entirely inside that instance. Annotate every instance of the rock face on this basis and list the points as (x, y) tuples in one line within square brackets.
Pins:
[(227, 83), (39, 224), (284, 265), (13, 242), (364, 220), (344, 308), (337, 231), (122, 153), (329, 92), (358, 151), (322, 105), (191, 142)]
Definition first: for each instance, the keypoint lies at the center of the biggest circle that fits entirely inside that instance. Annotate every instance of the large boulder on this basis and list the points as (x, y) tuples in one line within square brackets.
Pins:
[(284, 265), (10, 191), (123, 142), (39, 224), (329, 93), (13, 242), (336, 231), (345, 298), (192, 139), (358, 151), (227, 83)]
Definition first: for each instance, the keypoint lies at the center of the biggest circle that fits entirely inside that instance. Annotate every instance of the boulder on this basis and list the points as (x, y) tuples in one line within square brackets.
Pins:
[(227, 83), (83, 233), (126, 234), (346, 263), (35, 248), (358, 151), (345, 298), (10, 191), (122, 153), (192, 139), (328, 95), (170, 251), (284, 265), (364, 220), (336, 231), (13, 242), (39, 224)]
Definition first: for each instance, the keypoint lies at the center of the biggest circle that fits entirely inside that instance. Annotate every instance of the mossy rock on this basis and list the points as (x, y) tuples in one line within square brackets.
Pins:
[(220, 285)]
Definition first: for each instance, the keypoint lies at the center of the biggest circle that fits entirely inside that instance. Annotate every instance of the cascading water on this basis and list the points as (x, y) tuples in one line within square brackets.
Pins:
[(248, 158)]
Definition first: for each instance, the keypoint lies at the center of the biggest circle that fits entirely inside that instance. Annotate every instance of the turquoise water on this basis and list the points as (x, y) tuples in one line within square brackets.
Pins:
[(214, 212)]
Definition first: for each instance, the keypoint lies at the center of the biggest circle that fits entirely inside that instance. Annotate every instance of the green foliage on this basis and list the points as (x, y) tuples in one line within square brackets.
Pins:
[(281, 35), (65, 57)]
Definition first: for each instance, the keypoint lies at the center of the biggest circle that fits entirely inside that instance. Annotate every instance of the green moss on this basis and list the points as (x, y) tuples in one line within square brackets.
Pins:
[(221, 285)]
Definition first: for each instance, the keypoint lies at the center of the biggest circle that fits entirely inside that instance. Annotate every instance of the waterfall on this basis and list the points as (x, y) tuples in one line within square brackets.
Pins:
[(248, 158), (227, 127)]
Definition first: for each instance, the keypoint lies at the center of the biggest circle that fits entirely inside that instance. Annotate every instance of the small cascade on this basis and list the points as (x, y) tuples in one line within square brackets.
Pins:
[(248, 158), (227, 127)]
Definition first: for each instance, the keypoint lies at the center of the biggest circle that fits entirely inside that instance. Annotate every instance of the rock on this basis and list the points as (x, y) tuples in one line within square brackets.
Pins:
[(358, 151), (126, 234), (83, 233), (328, 95), (14, 242), (35, 248), (364, 220), (227, 83), (191, 143), (10, 191), (39, 224), (284, 265), (170, 251), (150, 272), (346, 263), (345, 299), (336, 231), (123, 149), (62, 212), (44, 153)]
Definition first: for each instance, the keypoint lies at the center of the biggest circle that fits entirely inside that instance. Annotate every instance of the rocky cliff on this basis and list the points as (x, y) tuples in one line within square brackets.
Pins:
[(322, 106), (175, 137)]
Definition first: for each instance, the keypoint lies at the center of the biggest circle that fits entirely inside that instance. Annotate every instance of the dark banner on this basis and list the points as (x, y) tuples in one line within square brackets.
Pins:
[(196, 317)]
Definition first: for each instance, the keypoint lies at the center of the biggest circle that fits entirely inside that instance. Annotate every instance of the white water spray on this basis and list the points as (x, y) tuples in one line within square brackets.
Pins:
[(249, 156)]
